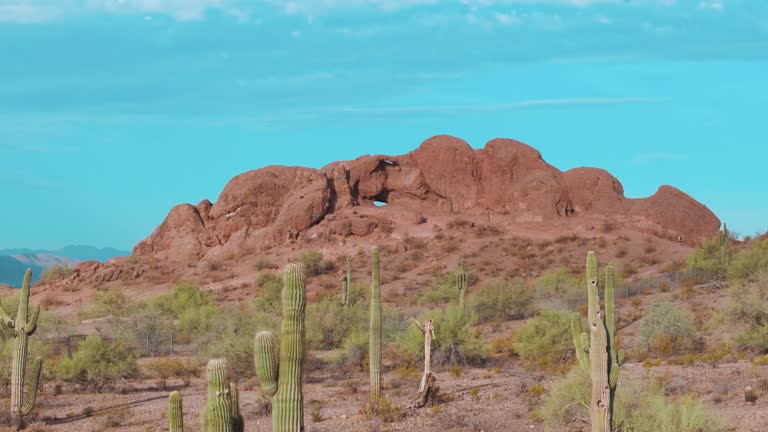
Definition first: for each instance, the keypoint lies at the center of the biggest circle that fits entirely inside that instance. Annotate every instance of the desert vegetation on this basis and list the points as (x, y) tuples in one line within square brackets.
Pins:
[(565, 350)]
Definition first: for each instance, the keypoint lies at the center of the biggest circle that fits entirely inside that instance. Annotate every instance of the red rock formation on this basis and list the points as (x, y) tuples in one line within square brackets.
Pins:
[(273, 205)]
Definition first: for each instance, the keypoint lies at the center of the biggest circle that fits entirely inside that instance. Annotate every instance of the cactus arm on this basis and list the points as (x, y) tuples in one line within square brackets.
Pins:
[(266, 361), (175, 412), (610, 324), (32, 386), (375, 331), (5, 319), (581, 344), (31, 325)]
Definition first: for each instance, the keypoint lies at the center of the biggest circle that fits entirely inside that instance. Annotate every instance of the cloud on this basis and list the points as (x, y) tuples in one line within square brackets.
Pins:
[(507, 19), (713, 5), (37, 148), (26, 13), (491, 107)]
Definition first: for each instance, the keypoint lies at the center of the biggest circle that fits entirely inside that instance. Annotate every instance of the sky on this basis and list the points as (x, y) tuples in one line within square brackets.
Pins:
[(113, 111)]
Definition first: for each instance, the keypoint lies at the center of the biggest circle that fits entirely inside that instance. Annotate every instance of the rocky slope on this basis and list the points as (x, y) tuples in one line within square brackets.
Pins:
[(506, 186)]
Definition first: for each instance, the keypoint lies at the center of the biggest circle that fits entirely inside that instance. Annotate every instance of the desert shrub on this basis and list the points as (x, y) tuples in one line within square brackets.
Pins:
[(261, 263), (97, 363), (668, 330), (750, 261), (639, 408), (143, 328), (229, 334), (314, 264), (56, 272), (501, 300), (545, 341), (354, 352), (271, 286), (172, 367), (455, 341), (444, 290), (183, 296), (561, 287), (328, 323), (107, 303), (707, 258)]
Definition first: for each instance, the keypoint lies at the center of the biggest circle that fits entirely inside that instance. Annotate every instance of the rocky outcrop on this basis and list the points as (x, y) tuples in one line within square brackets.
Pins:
[(444, 175)]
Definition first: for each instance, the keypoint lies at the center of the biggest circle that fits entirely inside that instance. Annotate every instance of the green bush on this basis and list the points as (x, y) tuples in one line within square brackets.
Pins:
[(545, 341), (561, 288), (639, 408), (314, 264), (750, 261), (97, 363), (668, 330), (271, 289), (749, 307), (501, 300), (707, 258), (328, 323), (56, 272), (183, 296), (444, 290), (107, 303), (455, 341)]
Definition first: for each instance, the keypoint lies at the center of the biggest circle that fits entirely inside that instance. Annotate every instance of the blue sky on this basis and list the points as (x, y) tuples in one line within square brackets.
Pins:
[(113, 111)]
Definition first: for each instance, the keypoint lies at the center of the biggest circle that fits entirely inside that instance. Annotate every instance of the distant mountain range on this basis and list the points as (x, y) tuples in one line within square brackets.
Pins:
[(13, 262)]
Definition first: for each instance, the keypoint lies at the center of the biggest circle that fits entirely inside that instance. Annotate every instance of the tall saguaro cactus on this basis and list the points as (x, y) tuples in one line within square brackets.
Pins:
[(221, 413), (21, 329), (346, 282), (374, 345), (281, 378), (462, 281), (603, 363), (725, 246), (175, 413)]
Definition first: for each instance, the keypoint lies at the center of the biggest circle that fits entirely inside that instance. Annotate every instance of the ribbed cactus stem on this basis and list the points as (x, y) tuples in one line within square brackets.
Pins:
[(281, 377), (175, 413), (346, 284), (267, 361), (374, 348), (220, 413), (604, 361), (462, 280), (21, 328)]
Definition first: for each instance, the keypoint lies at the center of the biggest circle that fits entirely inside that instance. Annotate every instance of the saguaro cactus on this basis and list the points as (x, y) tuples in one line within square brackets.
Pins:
[(374, 343), (603, 363), (462, 281), (21, 329), (221, 413), (175, 413), (346, 282), (725, 246), (281, 378)]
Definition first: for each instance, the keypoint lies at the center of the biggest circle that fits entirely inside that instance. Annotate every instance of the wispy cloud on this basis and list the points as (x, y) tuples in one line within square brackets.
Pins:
[(37, 148), (492, 107), (710, 5)]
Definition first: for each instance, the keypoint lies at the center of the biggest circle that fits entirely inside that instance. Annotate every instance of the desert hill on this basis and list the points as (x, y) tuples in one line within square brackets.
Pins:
[(502, 209)]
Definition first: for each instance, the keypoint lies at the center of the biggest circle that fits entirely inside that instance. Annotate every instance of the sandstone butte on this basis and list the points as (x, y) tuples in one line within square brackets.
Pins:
[(507, 183)]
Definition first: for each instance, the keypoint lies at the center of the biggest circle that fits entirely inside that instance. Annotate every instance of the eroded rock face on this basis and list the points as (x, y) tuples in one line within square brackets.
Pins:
[(506, 178)]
